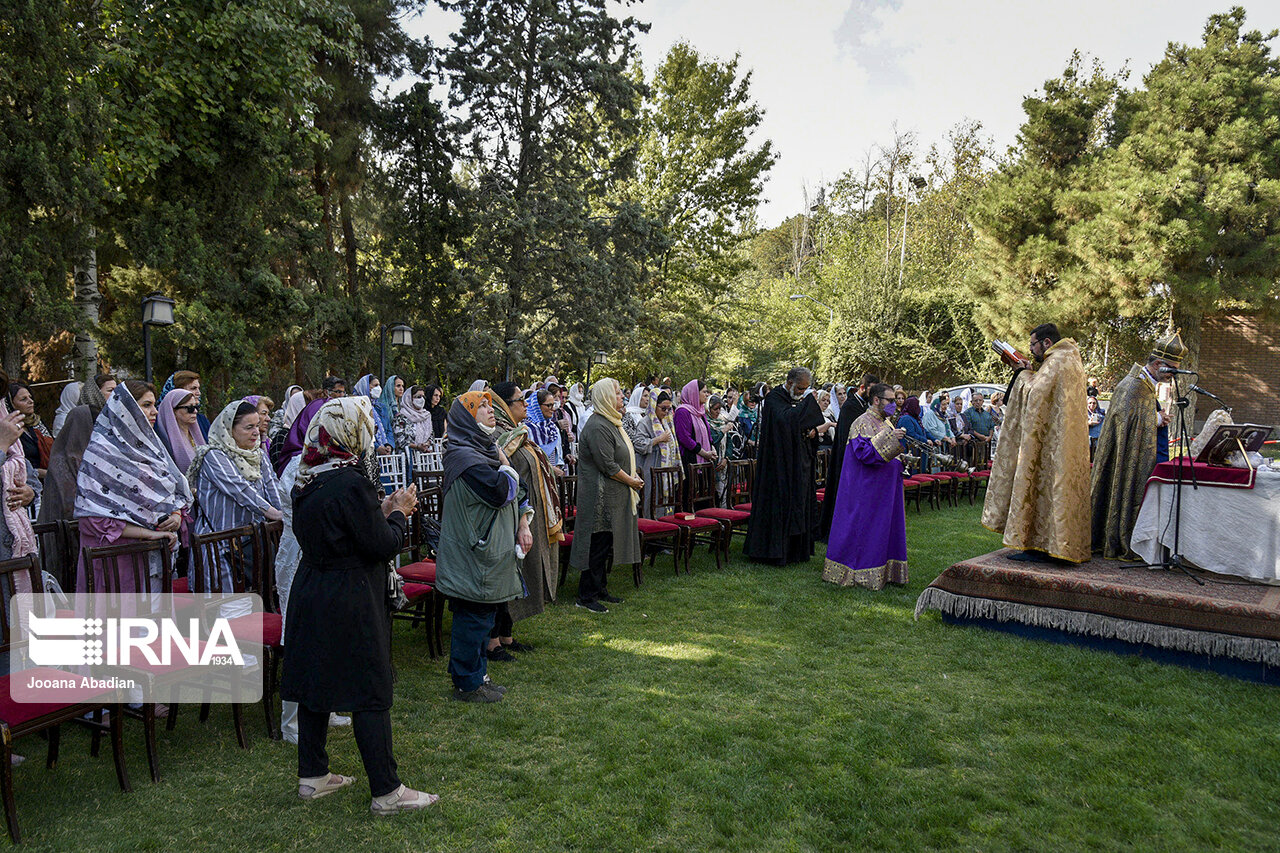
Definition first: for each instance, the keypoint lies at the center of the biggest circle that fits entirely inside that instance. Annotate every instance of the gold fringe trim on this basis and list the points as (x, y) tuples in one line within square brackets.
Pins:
[(1254, 649)]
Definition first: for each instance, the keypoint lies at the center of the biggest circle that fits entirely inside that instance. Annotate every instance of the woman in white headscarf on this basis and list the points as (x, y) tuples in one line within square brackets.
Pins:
[(232, 479), (638, 423), (67, 400), (581, 405), (413, 424)]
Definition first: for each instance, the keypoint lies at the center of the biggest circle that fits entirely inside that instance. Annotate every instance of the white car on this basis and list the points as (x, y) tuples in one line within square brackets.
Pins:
[(986, 388)]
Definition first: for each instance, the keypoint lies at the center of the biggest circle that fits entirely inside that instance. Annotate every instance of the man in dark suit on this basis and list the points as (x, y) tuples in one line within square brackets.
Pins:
[(855, 406)]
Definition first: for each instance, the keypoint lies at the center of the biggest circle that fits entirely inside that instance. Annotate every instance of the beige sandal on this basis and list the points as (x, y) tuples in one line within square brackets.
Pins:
[(401, 799), (315, 787)]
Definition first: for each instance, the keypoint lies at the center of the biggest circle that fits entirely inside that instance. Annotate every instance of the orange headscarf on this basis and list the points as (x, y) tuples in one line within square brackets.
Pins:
[(473, 400)]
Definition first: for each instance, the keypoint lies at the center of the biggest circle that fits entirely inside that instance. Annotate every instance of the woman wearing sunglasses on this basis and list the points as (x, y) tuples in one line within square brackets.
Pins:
[(179, 427)]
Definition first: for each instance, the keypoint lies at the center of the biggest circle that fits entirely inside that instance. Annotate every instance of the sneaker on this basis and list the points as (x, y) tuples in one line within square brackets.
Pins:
[(500, 654), (593, 606), (483, 693), (517, 646), (338, 721), (488, 682), (612, 599), (315, 787), (402, 799)]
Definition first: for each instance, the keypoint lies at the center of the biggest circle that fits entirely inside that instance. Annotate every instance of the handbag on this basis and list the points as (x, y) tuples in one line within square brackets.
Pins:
[(395, 589)]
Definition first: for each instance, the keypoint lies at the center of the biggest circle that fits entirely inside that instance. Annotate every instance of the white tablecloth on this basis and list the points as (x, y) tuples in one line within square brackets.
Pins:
[(1229, 531)]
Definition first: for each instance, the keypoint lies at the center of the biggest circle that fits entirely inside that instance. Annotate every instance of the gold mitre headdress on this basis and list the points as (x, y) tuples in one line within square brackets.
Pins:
[(1170, 349)]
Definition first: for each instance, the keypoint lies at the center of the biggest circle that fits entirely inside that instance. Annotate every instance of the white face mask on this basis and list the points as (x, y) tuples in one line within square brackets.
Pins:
[(375, 392), (419, 402)]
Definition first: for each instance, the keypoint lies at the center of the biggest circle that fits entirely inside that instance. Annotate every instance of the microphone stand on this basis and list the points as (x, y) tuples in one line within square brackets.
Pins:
[(1174, 559)]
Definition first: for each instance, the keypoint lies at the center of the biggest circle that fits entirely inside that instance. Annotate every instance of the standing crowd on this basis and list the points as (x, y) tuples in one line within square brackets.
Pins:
[(129, 463)]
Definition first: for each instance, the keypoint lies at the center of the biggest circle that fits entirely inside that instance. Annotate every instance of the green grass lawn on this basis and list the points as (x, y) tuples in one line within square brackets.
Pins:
[(746, 709)]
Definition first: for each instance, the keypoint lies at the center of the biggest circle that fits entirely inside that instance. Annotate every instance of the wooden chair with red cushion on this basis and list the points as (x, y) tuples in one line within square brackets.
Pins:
[(703, 491), (653, 531), (979, 479), (567, 490), (667, 501), (911, 488), (269, 533), (127, 567), (24, 718), (51, 550), (418, 572), (71, 542), (239, 548), (741, 480)]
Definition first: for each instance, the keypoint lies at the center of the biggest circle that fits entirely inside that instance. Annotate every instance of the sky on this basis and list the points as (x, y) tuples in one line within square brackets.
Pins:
[(834, 78)]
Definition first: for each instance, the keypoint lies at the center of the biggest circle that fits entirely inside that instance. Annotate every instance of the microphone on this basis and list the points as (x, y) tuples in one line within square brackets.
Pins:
[(1171, 370), (1199, 390)]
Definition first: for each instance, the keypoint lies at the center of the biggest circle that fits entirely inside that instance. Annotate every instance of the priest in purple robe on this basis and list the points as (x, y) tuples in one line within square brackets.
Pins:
[(868, 541)]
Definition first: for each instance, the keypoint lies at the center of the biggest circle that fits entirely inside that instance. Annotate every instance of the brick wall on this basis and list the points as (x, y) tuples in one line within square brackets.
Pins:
[(1240, 362)]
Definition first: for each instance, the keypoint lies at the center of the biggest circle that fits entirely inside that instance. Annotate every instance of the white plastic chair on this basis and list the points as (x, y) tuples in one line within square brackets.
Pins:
[(392, 472)]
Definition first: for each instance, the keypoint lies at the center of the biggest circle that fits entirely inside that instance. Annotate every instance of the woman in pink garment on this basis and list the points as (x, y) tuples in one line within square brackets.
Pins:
[(128, 488)]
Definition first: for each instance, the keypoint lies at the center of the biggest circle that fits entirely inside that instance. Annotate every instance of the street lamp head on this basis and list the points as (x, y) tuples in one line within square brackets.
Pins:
[(600, 357), (401, 335), (157, 309), (796, 296)]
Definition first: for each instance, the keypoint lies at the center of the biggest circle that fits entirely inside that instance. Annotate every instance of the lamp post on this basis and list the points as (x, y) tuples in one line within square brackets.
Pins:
[(401, 336), (919, 184), (831, 312), (598, 358), (506, 359), (157, 310)]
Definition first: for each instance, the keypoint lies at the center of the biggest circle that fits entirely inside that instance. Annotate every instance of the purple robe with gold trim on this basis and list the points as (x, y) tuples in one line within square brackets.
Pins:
[(868, 541)]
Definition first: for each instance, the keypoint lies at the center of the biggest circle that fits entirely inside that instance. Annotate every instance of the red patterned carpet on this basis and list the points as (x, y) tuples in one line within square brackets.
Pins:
[(1228, 616)]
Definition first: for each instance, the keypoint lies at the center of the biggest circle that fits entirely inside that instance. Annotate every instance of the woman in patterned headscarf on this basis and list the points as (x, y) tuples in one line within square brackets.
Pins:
[(338, 624), (127, 487), (543, 430), (541, 566), (232, 479)]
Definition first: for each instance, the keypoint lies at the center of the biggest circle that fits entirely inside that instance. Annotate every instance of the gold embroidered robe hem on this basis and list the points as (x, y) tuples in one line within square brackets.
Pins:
[(895, 571)]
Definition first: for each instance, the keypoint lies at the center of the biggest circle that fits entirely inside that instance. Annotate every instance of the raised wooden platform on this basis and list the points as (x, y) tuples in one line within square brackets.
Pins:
[(1118, 606)]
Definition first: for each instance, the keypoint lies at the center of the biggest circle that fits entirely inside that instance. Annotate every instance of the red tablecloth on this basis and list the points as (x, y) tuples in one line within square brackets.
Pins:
[(1205, 475)]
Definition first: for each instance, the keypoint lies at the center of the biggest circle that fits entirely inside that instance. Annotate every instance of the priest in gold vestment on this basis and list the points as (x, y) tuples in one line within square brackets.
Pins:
[(1126, 451), (1038, 493)]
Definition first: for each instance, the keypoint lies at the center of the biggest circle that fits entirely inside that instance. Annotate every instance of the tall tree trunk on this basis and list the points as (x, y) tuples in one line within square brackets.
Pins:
[(12, 355), (323, 187), (348, 243), (1185, 318), (87, 300)]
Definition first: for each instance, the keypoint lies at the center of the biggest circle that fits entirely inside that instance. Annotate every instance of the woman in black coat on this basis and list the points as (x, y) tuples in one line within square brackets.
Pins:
[(338, 628)]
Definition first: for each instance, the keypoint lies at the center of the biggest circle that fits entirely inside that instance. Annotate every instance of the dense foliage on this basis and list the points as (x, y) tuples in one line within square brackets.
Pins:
[(298, 173)]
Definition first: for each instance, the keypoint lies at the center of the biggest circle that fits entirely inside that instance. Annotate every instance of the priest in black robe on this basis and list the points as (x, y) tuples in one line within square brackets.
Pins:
[(855, 406), (784, 515)]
